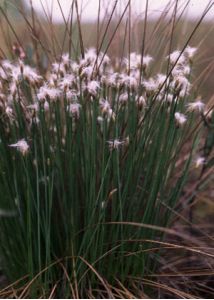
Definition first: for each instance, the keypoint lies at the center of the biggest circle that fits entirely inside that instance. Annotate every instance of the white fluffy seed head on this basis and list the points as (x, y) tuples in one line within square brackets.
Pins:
[(196, 106), (112, 79), (65, 59), (140, 102), (161, 79), (105, 106), (115, 144), (67, 81), (200, 161), (128, 81), (180, 118), (87, 72), (31, 75), (190, 51), (147, 60), (58, 68), (34, 106), (91, 55), (74, 110), (176, 57), (123, 98), (150, 85), (133, 62), (93, 87), (104, 58), (21, 146), (51, 93), (181, 82)]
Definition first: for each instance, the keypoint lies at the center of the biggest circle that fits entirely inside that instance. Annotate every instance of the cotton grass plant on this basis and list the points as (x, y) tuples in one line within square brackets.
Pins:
[(89, 169)]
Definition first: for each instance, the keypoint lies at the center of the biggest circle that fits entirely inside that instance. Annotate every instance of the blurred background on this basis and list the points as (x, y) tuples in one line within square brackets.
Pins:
[(89, 9)]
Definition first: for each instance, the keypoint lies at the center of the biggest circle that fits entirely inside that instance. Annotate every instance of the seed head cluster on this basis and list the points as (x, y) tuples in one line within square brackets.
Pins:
[(95, 86)]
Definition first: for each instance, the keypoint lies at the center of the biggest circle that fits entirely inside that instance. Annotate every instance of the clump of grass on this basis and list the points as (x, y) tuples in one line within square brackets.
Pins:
[(89, 174), (85, 155)]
